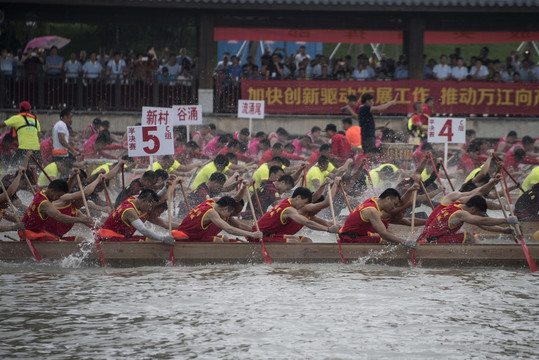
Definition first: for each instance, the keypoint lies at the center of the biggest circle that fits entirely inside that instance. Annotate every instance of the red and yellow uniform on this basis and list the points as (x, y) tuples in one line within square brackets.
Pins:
[(117, 229), (60, 229), (437, 228), (273, 227), (193, 224), (358, 230), (34, 222)]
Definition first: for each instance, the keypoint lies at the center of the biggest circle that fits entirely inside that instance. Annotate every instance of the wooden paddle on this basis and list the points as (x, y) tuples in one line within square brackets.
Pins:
[(31, 246), (96, 240), (426, 194), (447, 176), (267, 257), (529, 259), (330, 196), (436, 172), (345, 198), (504, 212), (414, 197), (29, 184), (172, 257), (185, 196), (123, 176), (39, 165), (107, 196), (257, 202), (370, 179)]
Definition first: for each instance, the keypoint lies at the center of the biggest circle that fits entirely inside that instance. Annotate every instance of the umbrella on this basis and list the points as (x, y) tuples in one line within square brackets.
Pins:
[(47, 42)]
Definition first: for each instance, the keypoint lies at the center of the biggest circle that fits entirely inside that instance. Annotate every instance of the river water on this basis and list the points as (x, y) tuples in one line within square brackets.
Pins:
[(66, 310)]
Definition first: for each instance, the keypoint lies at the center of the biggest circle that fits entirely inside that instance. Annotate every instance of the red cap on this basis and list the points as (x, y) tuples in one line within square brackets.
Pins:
[(25, 106)]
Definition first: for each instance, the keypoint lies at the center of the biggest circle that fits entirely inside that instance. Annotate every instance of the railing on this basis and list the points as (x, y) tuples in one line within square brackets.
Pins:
[(120, 94), (226, 93)]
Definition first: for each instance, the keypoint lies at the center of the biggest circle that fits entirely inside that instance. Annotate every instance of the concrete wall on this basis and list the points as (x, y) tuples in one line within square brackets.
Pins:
[(486, 127)]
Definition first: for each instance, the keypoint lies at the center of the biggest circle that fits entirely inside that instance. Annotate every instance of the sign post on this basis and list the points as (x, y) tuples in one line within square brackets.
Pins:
[(447, 130), (251, 109)]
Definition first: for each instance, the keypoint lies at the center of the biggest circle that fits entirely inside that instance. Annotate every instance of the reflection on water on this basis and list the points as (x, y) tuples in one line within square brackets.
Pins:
[(287, 311)]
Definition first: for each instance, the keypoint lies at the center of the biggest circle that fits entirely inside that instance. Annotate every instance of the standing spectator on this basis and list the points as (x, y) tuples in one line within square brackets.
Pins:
[(483, 55), (32, 63), (7, 62), (318, 68), (82, 57), (301, 55), (459, 72), (182, 57), (26, 126), (479, 71), (366, 120), (72, 67), (92, 68), (54, 63), (361, 73), (60, 136), (442, 71), (535, 72), (222, 66), (275, 69), (116, 68), (172, 66), (234, 69)]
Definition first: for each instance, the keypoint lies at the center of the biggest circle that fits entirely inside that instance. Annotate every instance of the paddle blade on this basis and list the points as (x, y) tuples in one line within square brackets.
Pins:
[(529, 258), (33, 249), (340, 249), (265, 253), (172, 257), (414, 262)]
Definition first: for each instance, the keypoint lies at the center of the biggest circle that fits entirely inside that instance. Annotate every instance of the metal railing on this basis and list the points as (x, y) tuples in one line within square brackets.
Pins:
[(120, 94)]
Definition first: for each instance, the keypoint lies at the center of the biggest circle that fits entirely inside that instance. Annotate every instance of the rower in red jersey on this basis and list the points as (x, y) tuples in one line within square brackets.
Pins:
[(366, 219), (458, 208), (204, 222), (131, 215), (278, 224), (68, 204), (42, 208)]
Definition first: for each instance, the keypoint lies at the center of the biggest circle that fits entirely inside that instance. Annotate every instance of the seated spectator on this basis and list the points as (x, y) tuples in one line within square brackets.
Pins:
[(401, 72), (459, 72), (525, 71), (318, 68), (516, 77), (54, 63), (507, 75), (92, 68), (361, 73), (478, 71), (442, 71), (72, 67), (383, 76)]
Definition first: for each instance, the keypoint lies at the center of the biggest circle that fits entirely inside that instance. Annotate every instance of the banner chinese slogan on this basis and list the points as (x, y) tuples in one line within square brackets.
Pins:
[(451, 97)]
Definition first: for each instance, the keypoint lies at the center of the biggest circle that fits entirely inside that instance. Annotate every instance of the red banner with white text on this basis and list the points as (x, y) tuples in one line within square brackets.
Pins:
[(451, 97)]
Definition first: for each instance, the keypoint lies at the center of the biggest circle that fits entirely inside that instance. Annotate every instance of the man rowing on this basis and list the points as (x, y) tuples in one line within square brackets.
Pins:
[(131, 215), (457, 209), (69, 204), (366, 219), (276, 224), (42, 209), (4, 203), (204, 222)]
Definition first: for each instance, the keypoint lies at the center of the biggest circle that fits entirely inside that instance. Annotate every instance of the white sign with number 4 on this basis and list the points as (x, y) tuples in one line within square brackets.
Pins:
[(447, 130), (150, 140)]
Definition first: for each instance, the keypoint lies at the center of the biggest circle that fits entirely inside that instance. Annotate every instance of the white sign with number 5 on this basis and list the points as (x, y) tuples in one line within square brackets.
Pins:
[(447, 130), (150, 140)]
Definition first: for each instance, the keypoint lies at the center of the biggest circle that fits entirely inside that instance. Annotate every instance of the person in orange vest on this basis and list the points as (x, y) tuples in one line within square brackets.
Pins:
[(26, 128)]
